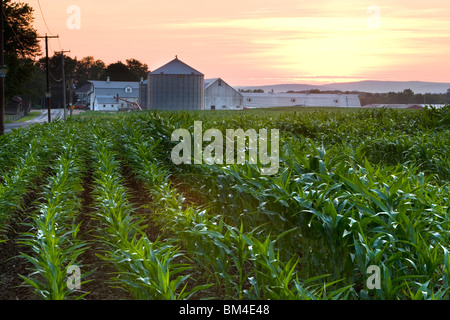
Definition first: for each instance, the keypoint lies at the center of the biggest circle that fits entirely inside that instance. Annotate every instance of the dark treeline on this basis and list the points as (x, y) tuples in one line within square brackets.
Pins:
[(77, 73), (405, 97)]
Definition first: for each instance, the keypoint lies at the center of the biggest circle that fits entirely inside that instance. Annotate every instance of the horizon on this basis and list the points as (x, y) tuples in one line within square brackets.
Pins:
[(260, 43)]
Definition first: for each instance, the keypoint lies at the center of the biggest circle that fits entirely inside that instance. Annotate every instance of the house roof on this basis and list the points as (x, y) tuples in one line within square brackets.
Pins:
[(85, 88), (176, 66), (114, 84), (114, 88)]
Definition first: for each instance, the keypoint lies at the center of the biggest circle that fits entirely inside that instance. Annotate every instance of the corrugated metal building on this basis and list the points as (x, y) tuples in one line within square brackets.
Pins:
[(258, 100), (219, 95), (175, 86)]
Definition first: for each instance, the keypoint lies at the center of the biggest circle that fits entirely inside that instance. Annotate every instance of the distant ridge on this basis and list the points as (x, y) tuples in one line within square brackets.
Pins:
[(361, 86)]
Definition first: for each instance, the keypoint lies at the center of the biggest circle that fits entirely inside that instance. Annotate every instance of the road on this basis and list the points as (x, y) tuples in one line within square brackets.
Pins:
[(43, 117)]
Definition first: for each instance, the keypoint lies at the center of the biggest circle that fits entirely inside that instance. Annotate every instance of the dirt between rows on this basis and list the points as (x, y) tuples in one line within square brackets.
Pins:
[(99, 285), (11, 264)]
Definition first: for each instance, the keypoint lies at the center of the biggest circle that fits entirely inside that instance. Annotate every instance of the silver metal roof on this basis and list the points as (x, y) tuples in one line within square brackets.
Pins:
[(209, 82), (114, 84), (176, 66)]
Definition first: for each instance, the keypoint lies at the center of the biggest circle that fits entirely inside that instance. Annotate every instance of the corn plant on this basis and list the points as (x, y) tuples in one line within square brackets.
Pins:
[(53, 238), (146, 269)]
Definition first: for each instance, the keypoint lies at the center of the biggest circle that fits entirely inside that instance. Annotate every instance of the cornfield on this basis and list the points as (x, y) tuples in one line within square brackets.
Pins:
[(354, 190)]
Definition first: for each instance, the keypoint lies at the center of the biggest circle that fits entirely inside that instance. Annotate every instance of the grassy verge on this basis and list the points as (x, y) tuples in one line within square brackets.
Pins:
[(29, 116)]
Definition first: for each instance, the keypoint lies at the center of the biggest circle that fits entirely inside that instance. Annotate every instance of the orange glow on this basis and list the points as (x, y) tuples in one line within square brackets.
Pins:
[(263, 42)]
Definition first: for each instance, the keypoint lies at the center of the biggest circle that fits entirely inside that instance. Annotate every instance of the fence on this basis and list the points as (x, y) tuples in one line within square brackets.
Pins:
[(14, 117)]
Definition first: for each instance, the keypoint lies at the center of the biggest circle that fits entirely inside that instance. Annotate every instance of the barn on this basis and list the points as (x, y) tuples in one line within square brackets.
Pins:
[(221, 96), (175, 86)]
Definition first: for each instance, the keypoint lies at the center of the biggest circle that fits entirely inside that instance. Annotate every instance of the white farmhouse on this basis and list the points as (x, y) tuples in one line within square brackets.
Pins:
[(221, 96), (103, 93)]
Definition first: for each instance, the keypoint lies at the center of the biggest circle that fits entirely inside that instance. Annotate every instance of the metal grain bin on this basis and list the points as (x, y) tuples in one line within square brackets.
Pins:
[(176, 86)]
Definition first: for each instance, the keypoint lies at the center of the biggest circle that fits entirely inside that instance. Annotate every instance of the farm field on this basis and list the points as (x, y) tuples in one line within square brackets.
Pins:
[(356, 190)]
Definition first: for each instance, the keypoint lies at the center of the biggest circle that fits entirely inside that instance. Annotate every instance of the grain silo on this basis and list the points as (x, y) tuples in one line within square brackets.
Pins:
[(176, 86)]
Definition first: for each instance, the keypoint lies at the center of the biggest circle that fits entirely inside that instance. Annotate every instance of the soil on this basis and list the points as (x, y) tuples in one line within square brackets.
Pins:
[(99, 285), (11, 264)]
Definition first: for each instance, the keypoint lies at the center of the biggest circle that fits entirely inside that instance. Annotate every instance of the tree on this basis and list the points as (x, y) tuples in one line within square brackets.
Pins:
[(139, 69), (21, 47), (36, 87), (89, 69), (55, 72), (120, 72)]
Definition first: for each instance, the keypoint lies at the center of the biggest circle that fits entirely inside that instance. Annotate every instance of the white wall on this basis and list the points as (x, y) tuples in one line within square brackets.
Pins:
[(308, 100), (223, 95), (100, 106)]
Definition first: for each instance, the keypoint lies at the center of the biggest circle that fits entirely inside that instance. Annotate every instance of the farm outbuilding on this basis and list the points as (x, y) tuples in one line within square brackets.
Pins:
[(259, 100), (221, 96), (175, 86)]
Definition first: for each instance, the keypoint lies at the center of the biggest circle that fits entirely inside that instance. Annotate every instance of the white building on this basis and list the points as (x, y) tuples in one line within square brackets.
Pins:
[(259, 100), (221, 96), (103, 93)]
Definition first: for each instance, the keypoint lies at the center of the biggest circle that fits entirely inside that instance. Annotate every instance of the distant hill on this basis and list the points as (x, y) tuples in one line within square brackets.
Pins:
[(362, 86)]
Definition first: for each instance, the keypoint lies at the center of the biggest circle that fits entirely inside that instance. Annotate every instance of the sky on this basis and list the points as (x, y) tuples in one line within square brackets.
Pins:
[(248, 42)]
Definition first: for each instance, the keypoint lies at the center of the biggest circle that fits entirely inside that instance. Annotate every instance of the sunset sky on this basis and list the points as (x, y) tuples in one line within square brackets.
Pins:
[(250, 42)]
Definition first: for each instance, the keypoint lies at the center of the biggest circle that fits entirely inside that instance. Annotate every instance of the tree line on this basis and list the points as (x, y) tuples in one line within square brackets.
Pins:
[(77, 73), (405, 97)]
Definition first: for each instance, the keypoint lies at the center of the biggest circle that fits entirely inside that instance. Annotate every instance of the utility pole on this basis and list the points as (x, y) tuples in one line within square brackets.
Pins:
[(47, 94), (63, 81), (2, 74)]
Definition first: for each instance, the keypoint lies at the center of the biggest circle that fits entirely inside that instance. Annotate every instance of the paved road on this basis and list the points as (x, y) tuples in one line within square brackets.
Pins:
[(43, 117)]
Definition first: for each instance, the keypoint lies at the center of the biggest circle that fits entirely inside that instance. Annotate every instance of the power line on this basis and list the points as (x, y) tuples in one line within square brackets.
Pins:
[(64, 82), (47, 73), (15, 34), (46, 25), (42, 13), (54, 78)]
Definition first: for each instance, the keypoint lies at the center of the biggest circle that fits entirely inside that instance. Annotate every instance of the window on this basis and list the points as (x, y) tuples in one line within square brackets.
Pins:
[(128, 90), (219, 83), (112, 106), (104, 106), (249, 99), (293, 100), (213, 107), (224, 107)]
